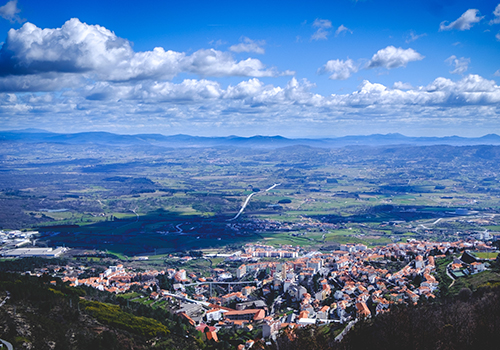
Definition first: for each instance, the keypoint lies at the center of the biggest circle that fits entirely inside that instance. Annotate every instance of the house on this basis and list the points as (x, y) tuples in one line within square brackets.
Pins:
[(215, 314), (241, 271), (246, 315), (270, 327), (419, 262), (363, 310), (323, 312), (476, 267), (209, 333)]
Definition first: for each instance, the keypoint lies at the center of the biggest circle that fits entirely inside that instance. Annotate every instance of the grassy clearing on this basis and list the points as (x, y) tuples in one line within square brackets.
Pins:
[(473, 282), (486, 255), (119, 255), (129, 296)]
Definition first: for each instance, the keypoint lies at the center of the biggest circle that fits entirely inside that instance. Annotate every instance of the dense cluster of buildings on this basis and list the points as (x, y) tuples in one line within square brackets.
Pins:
[(307, 288), (11, 239), (116, 279)]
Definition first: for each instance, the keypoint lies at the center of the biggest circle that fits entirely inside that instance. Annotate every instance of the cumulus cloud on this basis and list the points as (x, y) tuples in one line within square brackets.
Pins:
[(244, 89), (322, 32), (39, 82), (496, 13), (9, 11), (465, 22), (402, 86), (196, 106), (79, 48), (84, 76), (470, 90), (392, 57), (497, 73), (341, 29), (249, 45), (216, 63), (341, 69), (461, 64)]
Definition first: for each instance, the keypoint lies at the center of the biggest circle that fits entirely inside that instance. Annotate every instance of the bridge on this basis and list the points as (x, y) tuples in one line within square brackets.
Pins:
[(221, 282)]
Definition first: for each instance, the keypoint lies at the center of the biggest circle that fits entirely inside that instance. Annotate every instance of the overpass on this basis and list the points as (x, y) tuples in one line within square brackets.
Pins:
[(228, 283)]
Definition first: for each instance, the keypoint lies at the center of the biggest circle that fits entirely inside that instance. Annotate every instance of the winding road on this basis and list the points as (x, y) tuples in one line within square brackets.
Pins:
[(178, 227)]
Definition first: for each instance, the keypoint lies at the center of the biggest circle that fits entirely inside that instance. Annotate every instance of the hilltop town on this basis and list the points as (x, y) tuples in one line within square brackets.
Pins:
[(267, 289)]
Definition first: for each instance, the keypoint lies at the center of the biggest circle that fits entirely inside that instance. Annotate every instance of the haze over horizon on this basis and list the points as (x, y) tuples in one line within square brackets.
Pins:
[(323, 69)]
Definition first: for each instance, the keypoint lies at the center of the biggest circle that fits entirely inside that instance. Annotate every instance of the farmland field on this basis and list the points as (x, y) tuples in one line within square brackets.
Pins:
[(158, 200)]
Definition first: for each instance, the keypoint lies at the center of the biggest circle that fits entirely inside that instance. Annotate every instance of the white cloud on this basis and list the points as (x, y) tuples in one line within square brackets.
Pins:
[(402, 86), (341, 69), (204, 107), (413, 36), (498, 36), (392, 57), (97, 53), (86, 77), (496, 13), (249, 45), (497, 73), (40, 82), (217, 43), (190, 90), (470, 85), (244, 89), (9, 11), (341, 29), (322, 32), (472, 90), (465, 22), (211, 62), (461, 64), (322, 23)]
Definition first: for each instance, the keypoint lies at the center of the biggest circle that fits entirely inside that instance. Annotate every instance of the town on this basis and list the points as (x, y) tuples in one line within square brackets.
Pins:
[(269, 288)]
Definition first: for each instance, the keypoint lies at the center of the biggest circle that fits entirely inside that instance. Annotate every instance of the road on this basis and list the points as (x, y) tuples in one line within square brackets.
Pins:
[(178, 227), (5, 300), (7, 344), (244, 206), (438, 220), (346, 329), (273, 186), (248, 200), (134, 211), (450, 276)]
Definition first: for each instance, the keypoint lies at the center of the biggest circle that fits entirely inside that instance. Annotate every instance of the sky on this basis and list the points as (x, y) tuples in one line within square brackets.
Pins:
[(218, 68)]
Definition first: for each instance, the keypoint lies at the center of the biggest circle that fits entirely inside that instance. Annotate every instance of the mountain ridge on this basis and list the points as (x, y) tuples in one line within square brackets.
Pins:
[(256, 141)]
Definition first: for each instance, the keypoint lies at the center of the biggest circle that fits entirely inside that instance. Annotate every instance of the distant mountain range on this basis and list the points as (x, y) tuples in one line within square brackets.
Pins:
[(179, 141)]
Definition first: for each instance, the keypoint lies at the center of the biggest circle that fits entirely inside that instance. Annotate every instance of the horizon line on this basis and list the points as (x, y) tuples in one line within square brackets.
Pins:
[(35, 130)]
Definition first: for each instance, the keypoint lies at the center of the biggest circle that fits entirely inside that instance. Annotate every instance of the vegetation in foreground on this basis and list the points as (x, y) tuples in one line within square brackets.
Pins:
[(42, 313), (467, 321)]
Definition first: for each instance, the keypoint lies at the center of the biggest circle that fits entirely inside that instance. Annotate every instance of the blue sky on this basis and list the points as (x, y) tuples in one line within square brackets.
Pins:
[(214, 68)]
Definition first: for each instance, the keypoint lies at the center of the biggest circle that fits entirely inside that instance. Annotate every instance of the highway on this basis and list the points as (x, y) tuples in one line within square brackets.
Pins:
[(248, 200), (244, 206)]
